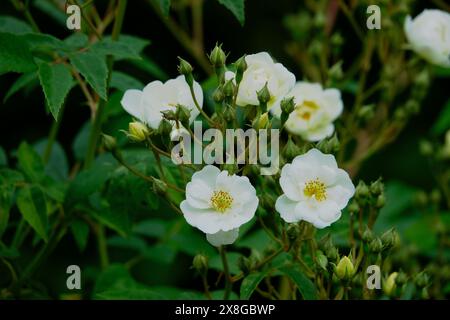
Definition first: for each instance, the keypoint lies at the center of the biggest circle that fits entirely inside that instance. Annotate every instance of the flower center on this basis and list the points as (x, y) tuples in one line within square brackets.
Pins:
[(315, 188), (221, 201), (306, 109)]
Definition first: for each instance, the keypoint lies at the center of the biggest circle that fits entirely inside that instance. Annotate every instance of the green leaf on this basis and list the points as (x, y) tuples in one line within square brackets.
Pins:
[(126, 47), (15, 55), (236, 7), (6, 201), (153, 228), (80, 231), (56, 81), (442, 123), (23, 81), (30, 162), (13, 25), (250, 283), (305, 286), (123, 82), (93, 68), (3, 158), (52, 10), (31, 203), (164, 5), (77, 40), (148, 65), (41, 41)]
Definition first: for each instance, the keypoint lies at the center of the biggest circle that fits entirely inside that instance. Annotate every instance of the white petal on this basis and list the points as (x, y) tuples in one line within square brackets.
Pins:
[(207, 175), (222, 237), (289, 182), (204, 219), (132, 103), (286, 208), (310, 213), (199, 194), (319, 133), (317, 157)]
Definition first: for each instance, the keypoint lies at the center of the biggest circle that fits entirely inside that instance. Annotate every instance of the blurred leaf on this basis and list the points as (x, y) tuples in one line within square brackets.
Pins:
[(250, 283), (31, 203), (57, 165), (115, 283), (80, 144), (51, 10), (15, 55), (442, 72), (218, 295), (164, 5), (21, 82), (30, 162), (237, 7), (148, 65), (215, 262), (93, 68), (6, 201), (257, 240), (305, 286), (56, 81), (80, 231), (154, 228), (123, 82), (3, 158), (422, 234), (160, 252), (191, 242), (442, 123), (14, 25)]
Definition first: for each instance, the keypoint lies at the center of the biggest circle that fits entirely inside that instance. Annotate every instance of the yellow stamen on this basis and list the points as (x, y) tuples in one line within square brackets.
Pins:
[(306, 109), (315, 188), (221, 201)]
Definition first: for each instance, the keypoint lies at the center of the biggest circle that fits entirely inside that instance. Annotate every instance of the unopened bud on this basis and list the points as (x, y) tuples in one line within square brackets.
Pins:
[(217, 57), (261, 122), (293, 231), (165, 128), (109, 142), (390, 238), (137, 131), (229, 88), (218, 95), (159, 187), (353, 207), (366, 113), (200, 263), (322, 260), (362, 190), (345, 269), (377, 187), (422, 279), (291, 150), (186, 69), (376, 245), (401, 278), (241, 66), (287, 105), (263, 96), (389, 285), (381, 201), (367, 235), (183, 115)]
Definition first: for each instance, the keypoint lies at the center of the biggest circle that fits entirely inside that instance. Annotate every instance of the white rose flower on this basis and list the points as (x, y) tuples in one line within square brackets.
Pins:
[(315, 110), (429, 36), (315, 189), (261, 69), (147, 105), (218, 204)]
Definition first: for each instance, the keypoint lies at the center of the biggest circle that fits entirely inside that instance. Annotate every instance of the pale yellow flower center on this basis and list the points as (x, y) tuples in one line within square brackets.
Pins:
[(306, 109), (221, 201), (315, 188)]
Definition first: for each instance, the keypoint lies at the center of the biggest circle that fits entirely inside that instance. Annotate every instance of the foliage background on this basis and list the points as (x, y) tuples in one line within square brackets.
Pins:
[(166, 264)]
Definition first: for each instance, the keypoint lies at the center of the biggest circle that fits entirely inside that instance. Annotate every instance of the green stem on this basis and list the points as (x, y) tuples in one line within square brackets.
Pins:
[(97, 125), (226, 270), (52, 135), (20, 6)]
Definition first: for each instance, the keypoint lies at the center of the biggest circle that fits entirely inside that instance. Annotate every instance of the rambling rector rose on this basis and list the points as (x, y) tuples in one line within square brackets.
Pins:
[(429, 36), (261, 69), (218, 204), (315, 110), (315, 189), (156, 97)]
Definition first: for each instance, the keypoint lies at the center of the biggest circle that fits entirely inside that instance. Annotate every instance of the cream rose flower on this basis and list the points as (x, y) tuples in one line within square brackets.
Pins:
[(429, 36), (147, 105), (315, 189), (218, 204), (315, 110), (261, 69)]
